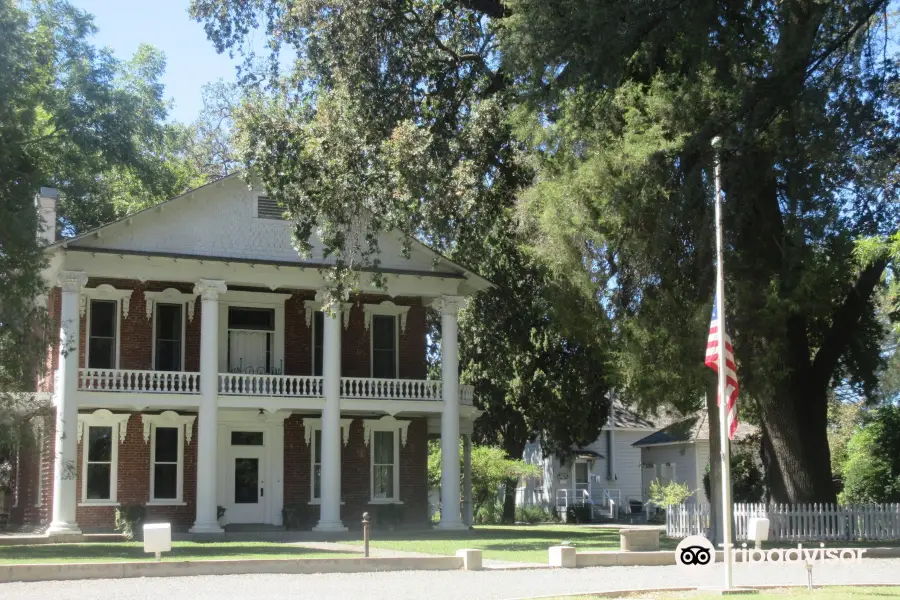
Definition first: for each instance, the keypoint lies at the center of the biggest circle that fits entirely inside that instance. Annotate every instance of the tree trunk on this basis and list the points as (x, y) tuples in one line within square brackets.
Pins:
[(514, 445), (715, 468)]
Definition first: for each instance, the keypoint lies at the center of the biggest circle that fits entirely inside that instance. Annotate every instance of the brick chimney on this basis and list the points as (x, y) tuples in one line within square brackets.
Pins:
[(45, 202)]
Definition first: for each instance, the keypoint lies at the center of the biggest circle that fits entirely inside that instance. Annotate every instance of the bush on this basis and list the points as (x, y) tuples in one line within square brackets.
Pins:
[(489, 513), (389, 515), (747, 483), (579, 513), (535, 514), (130, 521), (296, 516), (220, 512), (669, 494)]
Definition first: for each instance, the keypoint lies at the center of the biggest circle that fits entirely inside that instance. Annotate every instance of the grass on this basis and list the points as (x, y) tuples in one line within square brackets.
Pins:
[(831, 593), (130, 551), (511, 543)]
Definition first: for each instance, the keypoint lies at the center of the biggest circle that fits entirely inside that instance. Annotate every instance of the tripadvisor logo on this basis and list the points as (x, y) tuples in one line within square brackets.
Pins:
[(697, 551)]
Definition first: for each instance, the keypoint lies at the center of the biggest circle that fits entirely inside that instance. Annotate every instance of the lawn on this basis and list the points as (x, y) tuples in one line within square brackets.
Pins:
[(128, 551), (831, 593), (526, 543)]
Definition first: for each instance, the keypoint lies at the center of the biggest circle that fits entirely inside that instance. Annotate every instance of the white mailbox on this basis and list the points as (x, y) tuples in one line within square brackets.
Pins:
[(158, 538), (758, 530)]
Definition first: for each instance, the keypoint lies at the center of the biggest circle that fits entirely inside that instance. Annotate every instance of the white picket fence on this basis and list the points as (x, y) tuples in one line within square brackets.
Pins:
[(795, 522)]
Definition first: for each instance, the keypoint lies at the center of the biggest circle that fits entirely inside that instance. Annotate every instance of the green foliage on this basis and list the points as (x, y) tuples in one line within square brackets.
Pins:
[(579, 513), (130, 521), (294, 516), (669, 494), (872, 468), (747, 482), (533, 513), (489, 513), (220, 512), (490, 470)]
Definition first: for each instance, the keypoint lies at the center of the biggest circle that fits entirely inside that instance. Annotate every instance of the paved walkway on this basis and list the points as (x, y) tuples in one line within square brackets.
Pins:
[(441, 585), (388, 553)]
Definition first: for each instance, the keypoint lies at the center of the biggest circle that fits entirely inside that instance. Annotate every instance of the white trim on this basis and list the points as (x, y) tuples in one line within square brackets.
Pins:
[(184, 424), (170, 296), (104, 291), (310, 426), (87, 332), (387, 423), (119, 426), (183, 329), (252, 300), (396, 347), (310, 306), (386, 308), (395, 437)]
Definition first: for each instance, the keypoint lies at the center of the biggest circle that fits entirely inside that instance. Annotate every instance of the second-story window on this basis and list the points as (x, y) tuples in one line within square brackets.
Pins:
[(251, 337), (318, 341), (384, 346), (102, 335), (168, 348)]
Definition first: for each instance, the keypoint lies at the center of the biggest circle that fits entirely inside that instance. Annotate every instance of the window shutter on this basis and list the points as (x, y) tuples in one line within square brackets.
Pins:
[(266, 208)]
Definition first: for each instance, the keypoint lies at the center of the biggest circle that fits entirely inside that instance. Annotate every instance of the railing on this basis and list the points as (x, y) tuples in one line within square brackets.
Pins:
[(796, 522), (252, 384), (126, 380), (246, 384), (566, 498)]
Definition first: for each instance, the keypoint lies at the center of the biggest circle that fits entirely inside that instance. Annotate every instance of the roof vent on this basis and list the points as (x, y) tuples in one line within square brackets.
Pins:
[(266, 208)]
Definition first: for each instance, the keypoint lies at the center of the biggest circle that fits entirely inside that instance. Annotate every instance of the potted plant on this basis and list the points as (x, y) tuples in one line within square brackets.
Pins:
[(220, 516)]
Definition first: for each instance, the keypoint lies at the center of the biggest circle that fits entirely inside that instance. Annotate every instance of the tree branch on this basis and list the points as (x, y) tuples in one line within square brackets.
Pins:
[(491, 8), (843, 325)]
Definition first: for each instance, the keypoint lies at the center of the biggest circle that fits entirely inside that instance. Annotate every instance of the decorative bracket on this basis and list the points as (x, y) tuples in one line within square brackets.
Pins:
[(310, 425), (104, 418), (309, 306), (387, 423), (105, 291), (169, 296), (169, 419), (386, 308)]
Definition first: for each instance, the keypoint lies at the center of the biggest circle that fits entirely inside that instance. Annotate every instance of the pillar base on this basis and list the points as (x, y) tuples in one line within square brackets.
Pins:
[(207, 528), (451, 526), (63, 528), (330, 527)]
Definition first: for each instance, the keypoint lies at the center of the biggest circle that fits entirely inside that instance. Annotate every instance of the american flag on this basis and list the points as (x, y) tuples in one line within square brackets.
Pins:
[(712, 361)]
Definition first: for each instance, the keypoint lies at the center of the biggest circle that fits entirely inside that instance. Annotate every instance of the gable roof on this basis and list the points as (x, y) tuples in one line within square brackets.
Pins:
[(689, 429), (627, 418), (90, 240)]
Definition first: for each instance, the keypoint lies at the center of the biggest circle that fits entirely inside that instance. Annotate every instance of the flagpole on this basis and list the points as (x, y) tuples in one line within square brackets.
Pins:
[(724, 445)]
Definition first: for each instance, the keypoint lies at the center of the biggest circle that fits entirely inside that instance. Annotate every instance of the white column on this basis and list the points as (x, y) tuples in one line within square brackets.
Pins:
[(65, 470), (467, 479), (450, 516), (207, 420), (330, 509)]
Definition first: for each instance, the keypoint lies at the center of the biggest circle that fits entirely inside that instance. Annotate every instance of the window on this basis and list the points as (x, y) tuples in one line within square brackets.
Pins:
[(168, 348), (318, 341), (384, 346), (246, 438), (251, 336), (317, 465), (102, 334), (166, 455), (98, 453), (383, 465)]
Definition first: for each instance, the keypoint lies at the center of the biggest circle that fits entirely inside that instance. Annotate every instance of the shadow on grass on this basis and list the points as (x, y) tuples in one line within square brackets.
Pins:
[(135, 551)]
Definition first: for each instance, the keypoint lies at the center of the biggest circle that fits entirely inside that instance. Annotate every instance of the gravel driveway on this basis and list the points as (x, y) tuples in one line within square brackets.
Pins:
[(443, 585)]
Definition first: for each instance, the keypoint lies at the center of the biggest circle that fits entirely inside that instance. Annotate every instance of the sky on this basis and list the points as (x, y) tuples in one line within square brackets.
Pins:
[(191, 59)]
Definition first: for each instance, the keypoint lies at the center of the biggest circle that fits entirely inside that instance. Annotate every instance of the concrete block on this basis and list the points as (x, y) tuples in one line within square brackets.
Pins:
[(597, 559), (633, 559), (471, 559), (639, 540), (563, 557)]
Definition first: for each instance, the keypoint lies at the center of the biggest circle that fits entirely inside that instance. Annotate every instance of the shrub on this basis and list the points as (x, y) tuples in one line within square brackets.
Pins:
[(130, 521), (389, 515), (220, 512), (671, 493), (295, 516), (489, 513), (579, 513), (535, 514), (747, 484)]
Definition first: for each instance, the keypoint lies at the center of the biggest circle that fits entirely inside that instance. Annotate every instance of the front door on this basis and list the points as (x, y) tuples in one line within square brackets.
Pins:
[(247, 478), (582, 480)]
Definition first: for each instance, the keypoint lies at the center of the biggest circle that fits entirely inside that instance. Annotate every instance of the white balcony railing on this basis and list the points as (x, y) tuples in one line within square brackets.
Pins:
[(247, 384), (295, 386), (128, 380)]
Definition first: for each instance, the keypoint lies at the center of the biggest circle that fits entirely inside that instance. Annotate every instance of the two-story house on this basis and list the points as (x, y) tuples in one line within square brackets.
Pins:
[(196, 367)]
